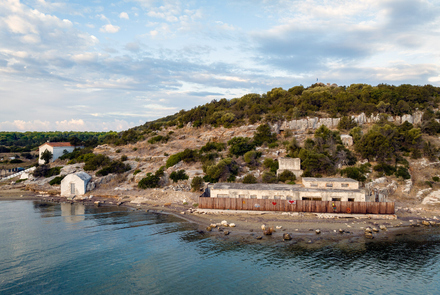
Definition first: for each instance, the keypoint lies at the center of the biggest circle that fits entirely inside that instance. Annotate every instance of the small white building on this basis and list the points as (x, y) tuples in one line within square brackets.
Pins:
[(75, 184), (57, 149), (291, 164)]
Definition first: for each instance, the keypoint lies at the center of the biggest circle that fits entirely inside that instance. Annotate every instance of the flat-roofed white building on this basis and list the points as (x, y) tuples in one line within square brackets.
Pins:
[(336, 183), (287, 192), (57, 149)]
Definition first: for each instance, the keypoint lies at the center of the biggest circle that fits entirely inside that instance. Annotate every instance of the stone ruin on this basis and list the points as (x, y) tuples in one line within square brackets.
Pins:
[(290, 164)]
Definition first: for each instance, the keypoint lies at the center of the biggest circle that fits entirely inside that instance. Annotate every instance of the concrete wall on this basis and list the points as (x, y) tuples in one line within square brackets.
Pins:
[(289, 163), (318, 195)]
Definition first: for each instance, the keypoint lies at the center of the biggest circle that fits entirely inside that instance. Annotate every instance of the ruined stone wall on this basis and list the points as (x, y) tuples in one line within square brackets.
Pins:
[(315, 123)]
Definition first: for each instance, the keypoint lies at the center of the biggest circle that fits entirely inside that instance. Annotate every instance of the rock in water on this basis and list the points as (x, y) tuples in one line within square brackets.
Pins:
[(268, 231), (232, 225), (286, 237), (369, 235), (259, 237), (278, 227), (226, 232), (208, 228), (383, 227), (368, 230), (341, 230), (375, 229), (263, 227), (317, 231), (224, 223), (424, 222)]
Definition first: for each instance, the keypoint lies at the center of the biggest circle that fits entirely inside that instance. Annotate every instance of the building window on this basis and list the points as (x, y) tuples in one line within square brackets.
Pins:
[(344, 185), (306, 199), (265, 197), (329, 184), (242, 196), (277, 197), (313, 185), (351, 199), (222, 196), (336, 199), (253, 196), (316, 199), (289, 198)]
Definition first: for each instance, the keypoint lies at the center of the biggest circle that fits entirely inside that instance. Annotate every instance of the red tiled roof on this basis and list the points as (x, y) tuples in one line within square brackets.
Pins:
[(57, 144)]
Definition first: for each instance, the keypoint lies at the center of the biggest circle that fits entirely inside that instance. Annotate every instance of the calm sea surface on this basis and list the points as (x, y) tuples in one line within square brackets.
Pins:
[(72, 249)]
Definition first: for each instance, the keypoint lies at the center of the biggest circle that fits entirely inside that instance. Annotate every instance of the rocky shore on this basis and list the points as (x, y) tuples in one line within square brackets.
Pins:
[(306, 229)]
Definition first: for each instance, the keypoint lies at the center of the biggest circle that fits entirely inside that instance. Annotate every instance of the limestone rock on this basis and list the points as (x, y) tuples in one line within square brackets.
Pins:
[(317, 231)]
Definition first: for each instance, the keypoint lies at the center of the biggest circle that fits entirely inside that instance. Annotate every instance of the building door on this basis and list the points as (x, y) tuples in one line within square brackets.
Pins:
[(72, 188)]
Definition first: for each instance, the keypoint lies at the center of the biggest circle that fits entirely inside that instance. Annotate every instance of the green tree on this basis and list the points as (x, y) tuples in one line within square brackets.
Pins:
[(264, 134), (46, 156), (249, 178)]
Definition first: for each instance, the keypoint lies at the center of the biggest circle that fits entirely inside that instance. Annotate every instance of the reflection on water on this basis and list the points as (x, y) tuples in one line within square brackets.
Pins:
[(76, 249)]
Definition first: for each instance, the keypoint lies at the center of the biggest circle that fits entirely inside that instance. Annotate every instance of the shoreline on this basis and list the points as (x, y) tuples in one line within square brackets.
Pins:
[(301, 227)]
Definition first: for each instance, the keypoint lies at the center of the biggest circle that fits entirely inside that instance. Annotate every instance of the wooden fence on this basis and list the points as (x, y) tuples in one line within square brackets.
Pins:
[(297, 205)]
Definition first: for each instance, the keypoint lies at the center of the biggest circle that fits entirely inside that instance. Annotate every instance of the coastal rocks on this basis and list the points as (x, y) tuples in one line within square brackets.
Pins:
[(226, 233), (426, 223), (374, 229), (208, 228), (278, 227), (287, 237), (368, 230), (408, 186), (259, 237), (383, 227), (369, 235), (317, 231), (232, 225), (263, 227), (224, 223), (268, 231), (432, 199)]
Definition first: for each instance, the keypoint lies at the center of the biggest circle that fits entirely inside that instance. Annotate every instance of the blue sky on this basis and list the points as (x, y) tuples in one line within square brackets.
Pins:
[(111, 65)]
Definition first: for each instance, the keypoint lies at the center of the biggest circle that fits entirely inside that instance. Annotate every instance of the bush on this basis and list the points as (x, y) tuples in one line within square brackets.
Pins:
[(136, 171), (249, 178), (354, 173), (287, 175), (45, 171), (251, 157), (173, 160), (16, 161), (385, 168), (402, 172), (264, 134), (346, 123), (114, 167), (151, 180), (240, 145), (272, 164), (269, 177), (197, 183), (57, 180), (93, 162), (436, 178), (217, 146), (158, 138), (179, 175), (222, 171)]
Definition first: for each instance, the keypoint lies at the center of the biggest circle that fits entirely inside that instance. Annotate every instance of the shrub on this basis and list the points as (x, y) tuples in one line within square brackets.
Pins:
[(16, 161), (402, 172), (115, 167), (264, 134), (354, 173), (179, 175), (287, 175), (251, 157), (385, 168), (346, 123), (158, 138), (240, 145), (118, 151), (269, 177), (136, 171), (222, 171), (173, 160), (249, 178), (45, 171), (93, 162), (272, 164), (197, 183), (217, 146), (56, 180), (436, 178), (124, 158), (151, 180)]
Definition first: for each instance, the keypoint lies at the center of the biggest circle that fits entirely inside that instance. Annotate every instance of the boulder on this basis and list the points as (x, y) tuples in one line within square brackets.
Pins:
[(286, 237), (317, 231)]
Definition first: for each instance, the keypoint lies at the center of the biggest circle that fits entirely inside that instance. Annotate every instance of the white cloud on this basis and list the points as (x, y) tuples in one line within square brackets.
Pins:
[(124, 15), (109, 29)]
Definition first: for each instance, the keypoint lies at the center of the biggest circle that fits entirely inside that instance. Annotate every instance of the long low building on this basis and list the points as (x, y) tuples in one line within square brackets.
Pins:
[(316, 189)]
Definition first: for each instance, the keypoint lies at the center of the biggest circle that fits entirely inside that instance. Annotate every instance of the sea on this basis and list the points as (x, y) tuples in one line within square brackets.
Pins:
[(75, 249)]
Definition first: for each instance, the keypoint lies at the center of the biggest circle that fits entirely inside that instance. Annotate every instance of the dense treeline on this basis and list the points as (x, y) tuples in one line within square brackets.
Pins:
[(297, 102), (26, 141)]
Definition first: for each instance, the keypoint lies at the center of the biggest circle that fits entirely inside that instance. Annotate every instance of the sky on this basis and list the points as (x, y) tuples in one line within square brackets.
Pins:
[(71, 65)]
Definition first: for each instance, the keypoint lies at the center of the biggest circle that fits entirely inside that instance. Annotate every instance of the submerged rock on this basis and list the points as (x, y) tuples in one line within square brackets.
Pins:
[(286, 237)]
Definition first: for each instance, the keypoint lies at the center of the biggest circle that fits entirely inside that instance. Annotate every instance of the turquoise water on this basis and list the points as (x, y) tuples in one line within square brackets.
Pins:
[(72, 249)]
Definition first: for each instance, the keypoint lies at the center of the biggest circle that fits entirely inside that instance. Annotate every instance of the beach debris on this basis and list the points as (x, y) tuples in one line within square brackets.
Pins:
[(341, 230), (226, 232), (278, 227), (317, 231), (263, 227), (268, 231), (208, 228), (259, 237), (287, 237), (232, 225), (383, 227), (375, 229), (369, 235), (432, 223), (224, 223)]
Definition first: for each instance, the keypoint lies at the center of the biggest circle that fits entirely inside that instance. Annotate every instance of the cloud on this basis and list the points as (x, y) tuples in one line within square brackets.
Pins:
[(123, 15), (204, 93), (109, 28)]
